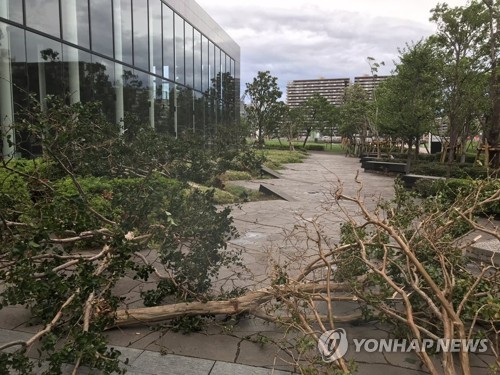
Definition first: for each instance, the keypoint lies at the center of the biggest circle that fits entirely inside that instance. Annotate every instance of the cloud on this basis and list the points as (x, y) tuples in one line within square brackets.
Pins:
[(311, 39)]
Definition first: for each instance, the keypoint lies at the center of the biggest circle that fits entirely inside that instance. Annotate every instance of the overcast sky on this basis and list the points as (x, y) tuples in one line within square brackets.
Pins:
[(308, 39)]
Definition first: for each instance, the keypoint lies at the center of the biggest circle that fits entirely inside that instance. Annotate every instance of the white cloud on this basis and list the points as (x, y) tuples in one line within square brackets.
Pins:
[(303, 39)]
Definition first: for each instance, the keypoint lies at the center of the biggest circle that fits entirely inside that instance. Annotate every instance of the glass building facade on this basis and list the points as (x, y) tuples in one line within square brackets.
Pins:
[(164, 62)]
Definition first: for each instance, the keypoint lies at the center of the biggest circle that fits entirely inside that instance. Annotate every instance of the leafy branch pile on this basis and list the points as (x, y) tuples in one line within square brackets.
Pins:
[(77, 220)]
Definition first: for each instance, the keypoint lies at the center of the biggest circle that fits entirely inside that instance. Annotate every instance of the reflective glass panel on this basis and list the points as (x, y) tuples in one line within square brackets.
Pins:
[(101, 75), (74, 69), (12, 10), (188, 35), (205, 64), (101, 27), (217, 81), (211, 67), (141, 41), (179, 49), (197, 60), (168, 43), (156, 35), (43, 15), (123, 30), (44, 66), (184, 111), (75, 20)]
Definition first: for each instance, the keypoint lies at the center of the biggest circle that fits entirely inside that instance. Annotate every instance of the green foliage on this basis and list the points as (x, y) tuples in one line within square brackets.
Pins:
[(263, 111), (407, 100), (76, 219), (451, 190)]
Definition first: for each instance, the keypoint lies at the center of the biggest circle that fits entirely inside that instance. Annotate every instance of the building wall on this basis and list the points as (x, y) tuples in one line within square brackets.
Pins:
[(333, 89), (298, 91), (165, 62)]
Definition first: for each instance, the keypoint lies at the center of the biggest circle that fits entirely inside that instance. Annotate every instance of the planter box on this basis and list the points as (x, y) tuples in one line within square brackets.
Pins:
[(382, 166), (410, 179)]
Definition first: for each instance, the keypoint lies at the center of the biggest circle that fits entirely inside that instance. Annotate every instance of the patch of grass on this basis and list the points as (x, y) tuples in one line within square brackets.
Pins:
[(276, 158), (247, 195), (236, 176)]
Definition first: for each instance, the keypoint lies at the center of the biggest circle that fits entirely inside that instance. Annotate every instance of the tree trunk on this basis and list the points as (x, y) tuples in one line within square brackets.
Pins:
[(246, 303), (308, 133)]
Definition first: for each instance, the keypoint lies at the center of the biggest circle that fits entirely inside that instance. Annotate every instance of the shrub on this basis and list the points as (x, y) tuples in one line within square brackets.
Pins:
[(448, 191)]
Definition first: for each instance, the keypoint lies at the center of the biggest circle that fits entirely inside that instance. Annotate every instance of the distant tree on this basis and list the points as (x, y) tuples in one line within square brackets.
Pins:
[(459, 41), (263, 93), (408, 100), (318, 114), (355, 115), (292, 122)]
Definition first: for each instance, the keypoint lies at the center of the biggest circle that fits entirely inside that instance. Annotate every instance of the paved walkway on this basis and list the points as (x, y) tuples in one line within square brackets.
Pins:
[(241, 346)]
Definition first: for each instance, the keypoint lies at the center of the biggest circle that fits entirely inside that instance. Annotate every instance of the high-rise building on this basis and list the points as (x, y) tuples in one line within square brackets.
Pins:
[(299, 91), (166, 62), (369, 83)]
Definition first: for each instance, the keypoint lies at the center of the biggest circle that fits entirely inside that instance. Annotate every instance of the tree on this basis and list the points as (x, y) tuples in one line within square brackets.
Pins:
[(408, 99), (459, 43), (492, 128), (318, 114), (355, 115), (264, 94)]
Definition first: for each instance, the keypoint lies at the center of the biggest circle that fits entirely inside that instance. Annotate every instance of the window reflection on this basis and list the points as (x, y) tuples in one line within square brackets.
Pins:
[(122, 13), (188, 43), (75, 20), (168, 43), (102, 28), (179, 49), (205, 64), (140, 19), (12, 10), (43, 15), (155, 27), (197, 60)]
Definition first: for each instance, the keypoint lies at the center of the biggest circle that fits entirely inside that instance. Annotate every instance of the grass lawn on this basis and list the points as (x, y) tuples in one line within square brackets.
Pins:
[(328, 147), (276, 158)]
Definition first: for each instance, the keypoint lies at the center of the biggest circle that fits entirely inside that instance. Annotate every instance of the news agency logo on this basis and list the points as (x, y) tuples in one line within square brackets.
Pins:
[(332, 345)]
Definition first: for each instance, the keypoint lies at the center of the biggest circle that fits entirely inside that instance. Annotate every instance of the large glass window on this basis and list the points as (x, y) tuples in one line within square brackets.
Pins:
[(44, 66), (205, 64), (211, 67), (217, 78), (197, 60), (184, 110), (168, 43), (122, 13), (75, 20), (75, 63), (199, 113), (12, 10), (101, 75), (102, 27), (43, 15), (141, 41), (156, 35), (179, 49), (13, 98), (188, 29)]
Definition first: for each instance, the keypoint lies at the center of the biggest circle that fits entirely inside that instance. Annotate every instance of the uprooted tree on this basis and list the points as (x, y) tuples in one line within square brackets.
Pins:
[(96, 208)]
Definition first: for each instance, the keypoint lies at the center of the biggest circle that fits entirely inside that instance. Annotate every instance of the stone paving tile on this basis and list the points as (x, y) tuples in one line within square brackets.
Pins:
[(155, 364), (224, 368)]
